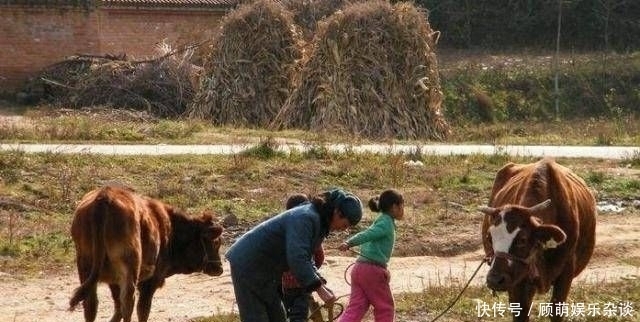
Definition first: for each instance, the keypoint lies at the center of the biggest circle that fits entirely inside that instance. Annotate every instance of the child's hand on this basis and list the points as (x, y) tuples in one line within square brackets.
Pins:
[(344, 247), (326, 295)]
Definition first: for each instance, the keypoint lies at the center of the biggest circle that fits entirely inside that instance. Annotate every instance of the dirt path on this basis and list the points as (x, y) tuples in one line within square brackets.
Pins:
[(186, 297)]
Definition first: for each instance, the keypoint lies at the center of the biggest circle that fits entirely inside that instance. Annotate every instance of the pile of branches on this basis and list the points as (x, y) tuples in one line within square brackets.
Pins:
[(247, 76), (162, 86), (307, 13), (372, 72)]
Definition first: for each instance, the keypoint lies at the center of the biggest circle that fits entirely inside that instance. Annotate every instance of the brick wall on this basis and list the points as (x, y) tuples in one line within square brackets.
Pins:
[(32, 38), (136, 32)]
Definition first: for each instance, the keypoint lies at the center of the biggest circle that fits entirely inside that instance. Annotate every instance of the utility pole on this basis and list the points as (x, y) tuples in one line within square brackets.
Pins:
[(557, 62)]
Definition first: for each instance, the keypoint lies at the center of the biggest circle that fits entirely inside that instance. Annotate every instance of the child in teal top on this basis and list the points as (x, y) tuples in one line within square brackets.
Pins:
[(370, 277)]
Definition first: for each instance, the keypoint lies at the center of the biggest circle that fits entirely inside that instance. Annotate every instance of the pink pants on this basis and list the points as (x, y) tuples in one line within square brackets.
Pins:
[(369, 286)]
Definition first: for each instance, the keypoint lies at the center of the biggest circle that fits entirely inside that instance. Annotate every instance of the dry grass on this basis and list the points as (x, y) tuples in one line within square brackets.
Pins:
[(160, 86), (307, 13)]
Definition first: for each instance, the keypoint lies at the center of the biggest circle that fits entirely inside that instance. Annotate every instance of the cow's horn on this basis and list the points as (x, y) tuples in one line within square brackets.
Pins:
[(541, 206), (487, 210)]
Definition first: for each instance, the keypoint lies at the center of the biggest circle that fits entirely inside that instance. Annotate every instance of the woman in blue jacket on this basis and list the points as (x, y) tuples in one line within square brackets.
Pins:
[(286, 242)]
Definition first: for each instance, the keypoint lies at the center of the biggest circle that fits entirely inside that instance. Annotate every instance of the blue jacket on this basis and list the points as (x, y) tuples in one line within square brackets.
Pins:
[(286, 241)]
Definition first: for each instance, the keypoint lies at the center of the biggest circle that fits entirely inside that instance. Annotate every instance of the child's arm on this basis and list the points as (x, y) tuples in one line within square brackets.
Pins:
[(379, 229)]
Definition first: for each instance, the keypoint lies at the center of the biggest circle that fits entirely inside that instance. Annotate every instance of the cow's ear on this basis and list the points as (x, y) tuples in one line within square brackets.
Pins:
[(208, 216), (214, 230), (550, 236)]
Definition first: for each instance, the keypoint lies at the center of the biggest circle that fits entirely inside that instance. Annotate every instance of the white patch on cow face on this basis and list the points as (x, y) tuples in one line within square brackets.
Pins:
[(501, 238)]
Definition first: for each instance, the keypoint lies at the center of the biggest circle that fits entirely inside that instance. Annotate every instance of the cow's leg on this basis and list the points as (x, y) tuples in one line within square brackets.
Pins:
[(128, 268), (146, 290), (522, 293), (115, 295), (560, 291), (127, 297), (89, 304)]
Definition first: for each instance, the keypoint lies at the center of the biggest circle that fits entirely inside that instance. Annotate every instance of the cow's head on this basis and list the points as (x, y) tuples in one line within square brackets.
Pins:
[(196, 244), (516, 236), (211, 239)]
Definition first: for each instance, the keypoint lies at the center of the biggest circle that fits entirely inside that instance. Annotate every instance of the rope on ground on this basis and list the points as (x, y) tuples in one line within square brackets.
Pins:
[(459, 294), (450, 304), (316, 312)]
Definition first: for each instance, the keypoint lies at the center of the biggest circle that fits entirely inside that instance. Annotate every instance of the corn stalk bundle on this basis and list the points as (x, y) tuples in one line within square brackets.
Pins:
[(160, 86), (247, 76), (373, 72), (307, 13)]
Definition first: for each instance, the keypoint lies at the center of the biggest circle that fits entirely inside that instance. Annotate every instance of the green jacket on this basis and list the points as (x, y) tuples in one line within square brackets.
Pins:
[(377, 240)]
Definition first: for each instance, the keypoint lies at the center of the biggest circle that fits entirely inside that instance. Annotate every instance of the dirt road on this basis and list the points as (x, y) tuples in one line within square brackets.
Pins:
[(186, 297)]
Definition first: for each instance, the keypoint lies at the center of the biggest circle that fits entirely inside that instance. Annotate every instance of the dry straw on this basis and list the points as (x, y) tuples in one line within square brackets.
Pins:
[(307, 13), (162, 86), (248, 73), (372, 72)]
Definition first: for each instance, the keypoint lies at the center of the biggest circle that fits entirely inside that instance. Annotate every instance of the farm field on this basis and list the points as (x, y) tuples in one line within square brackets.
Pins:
[(438, 246)]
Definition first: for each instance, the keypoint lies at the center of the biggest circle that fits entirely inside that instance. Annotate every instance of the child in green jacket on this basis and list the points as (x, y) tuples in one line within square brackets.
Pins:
[(370, 277)]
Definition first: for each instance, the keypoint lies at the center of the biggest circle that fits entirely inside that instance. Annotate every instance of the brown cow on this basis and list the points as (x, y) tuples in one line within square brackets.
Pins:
[(538, 232), (129, 241)]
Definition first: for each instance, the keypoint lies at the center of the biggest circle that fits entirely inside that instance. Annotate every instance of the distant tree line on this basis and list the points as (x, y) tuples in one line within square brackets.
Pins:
[(586, 24)]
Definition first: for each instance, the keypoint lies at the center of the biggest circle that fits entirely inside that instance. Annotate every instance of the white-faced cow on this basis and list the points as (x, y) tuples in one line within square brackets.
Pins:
[(130, 241), (538, 232)]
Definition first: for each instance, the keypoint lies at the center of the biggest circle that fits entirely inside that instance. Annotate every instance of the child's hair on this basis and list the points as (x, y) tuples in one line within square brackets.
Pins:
[(386, 199), (296, 200)]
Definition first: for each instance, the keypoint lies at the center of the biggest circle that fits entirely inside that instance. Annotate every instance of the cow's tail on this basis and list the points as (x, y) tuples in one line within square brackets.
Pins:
[(99, 211)]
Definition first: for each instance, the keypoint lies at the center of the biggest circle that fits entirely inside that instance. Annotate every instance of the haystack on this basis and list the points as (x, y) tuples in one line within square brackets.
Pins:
[(161, 86), (307, 13), (372, 72), (248, 74)]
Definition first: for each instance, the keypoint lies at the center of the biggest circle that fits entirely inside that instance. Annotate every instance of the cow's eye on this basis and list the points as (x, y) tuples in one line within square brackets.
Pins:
[(495, 219)]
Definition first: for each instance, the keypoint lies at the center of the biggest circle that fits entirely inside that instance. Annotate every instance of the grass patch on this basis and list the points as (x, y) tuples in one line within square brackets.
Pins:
[(634, 159), (615, 301), (266, 149), (39, 191), (84, 129), (477, 303)]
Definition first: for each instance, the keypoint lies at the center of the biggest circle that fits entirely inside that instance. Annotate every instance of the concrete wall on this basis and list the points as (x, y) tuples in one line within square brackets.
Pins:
[(32, 38)]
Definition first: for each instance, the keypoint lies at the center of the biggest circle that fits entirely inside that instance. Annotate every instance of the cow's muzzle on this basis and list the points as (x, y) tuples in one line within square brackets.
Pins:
[(498, 282), (213, 267), (211, 262)]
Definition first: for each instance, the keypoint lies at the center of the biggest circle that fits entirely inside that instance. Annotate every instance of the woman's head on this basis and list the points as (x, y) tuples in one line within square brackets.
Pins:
[(390, 201), (340, 209)]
